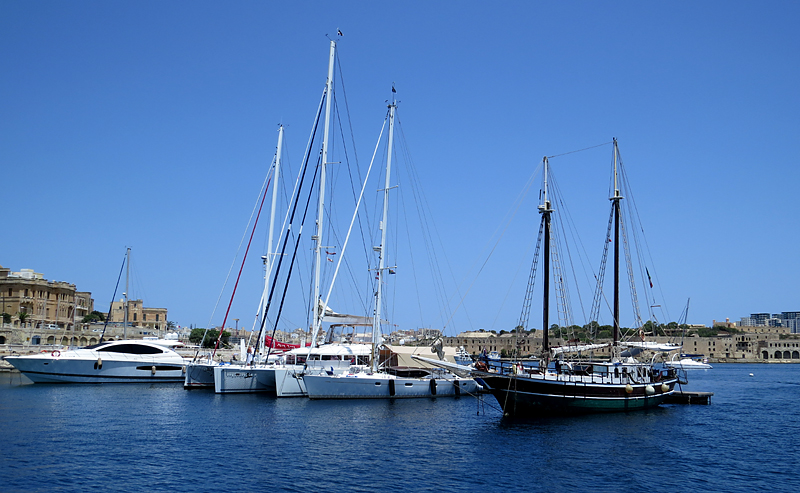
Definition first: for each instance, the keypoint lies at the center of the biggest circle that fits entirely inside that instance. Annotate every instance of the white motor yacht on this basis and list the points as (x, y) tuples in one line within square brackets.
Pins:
[(124, 361)]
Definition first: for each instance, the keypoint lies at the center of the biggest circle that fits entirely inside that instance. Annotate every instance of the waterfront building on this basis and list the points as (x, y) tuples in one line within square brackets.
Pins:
[(752, 344), (154, 319), (790, 320), (35, 302)]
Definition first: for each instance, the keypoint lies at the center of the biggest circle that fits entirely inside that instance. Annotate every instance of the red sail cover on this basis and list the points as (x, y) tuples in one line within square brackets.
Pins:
[(270, 342)]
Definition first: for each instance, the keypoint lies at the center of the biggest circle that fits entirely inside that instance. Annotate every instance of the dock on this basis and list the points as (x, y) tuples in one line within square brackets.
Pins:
[(685, 397)]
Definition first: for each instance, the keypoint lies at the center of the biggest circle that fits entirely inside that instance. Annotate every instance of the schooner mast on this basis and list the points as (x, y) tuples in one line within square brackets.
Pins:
[(615, 202)]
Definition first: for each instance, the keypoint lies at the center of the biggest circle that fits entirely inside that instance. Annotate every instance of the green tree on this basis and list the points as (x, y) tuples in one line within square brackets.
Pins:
[(95, 316), (706, 332), (171, 325), (196, 337), (6, 318), (23, 317)]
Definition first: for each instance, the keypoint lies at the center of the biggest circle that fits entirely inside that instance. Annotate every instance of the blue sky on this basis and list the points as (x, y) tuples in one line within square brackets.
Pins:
[(150, 125)]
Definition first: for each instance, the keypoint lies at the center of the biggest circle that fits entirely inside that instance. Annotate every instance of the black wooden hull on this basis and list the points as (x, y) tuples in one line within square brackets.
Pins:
[(524, 396)]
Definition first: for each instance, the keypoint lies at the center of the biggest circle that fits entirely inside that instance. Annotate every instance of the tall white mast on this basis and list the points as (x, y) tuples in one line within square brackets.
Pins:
[(127, 277), (276, 175), (269, 259), (376, 323), (321, 206)]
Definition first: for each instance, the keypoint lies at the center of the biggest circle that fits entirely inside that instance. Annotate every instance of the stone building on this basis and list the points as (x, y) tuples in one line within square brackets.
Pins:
[(138, 315), (762, 345), (33, 301)]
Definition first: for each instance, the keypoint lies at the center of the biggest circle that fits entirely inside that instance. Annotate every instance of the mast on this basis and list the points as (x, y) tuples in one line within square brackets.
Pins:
[(321, 205), (269, 260), (275, 177), (545, 211), (615, 201), (125, 294), (376, 323)]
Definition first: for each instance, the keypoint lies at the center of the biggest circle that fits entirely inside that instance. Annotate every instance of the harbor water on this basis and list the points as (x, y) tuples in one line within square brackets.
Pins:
[(162, 438)]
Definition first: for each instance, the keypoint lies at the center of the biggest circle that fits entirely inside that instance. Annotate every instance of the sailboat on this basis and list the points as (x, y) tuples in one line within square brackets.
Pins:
[(379, 382), (282, 373), (203, 371), (561, 386)]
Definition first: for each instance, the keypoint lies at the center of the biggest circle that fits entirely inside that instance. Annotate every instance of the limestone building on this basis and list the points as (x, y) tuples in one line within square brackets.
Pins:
[(138, 315), (32, 301)]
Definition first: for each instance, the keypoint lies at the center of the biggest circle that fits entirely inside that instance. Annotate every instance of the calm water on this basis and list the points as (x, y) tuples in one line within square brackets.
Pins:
[(160, 438)]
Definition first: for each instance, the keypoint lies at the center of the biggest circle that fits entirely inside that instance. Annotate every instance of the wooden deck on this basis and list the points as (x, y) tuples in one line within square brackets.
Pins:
[(684, 397)]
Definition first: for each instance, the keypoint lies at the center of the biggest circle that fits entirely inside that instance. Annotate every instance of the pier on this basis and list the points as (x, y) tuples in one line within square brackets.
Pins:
[(685, 397)]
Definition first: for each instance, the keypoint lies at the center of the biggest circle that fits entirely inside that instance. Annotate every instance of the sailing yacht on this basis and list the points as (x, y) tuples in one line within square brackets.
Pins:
[(381, 382), (203, 371), (560, 385), (282, 373)]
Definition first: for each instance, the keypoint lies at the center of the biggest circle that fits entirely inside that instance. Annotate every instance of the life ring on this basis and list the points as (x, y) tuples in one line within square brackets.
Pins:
[(56, 353), (641, 334)]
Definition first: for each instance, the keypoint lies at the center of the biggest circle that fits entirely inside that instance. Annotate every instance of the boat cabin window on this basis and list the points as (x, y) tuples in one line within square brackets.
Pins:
[(131, 349)]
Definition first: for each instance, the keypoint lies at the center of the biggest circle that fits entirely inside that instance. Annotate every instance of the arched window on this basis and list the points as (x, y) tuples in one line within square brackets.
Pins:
[(765, 354), (795, 355), (777, 355), (786, 355)]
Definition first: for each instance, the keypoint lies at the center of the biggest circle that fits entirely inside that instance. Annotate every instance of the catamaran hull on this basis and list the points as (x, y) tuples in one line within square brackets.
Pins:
[(528, 397), (239, 379), (199, 376), (289, 382), (48, 369), (381, 387)]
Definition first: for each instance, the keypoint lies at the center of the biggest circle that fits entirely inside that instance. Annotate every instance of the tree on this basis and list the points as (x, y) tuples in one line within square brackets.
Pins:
[(95, 316), (706, 332), (6, 318), (211, 337), (23, 317), (170, 325)]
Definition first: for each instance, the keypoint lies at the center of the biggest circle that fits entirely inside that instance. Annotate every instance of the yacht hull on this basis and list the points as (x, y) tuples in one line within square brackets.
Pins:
[(241, 379), (199, 376), (48, 369), (383, 386), (523, 396)]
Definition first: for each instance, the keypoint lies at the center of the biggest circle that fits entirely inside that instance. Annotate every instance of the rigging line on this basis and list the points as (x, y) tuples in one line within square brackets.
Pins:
[(236, 285), (355, 214), (113, 297), (283, 251), (298, 187), (411, 255), (494, 247), (634, 210), (358, 169), (429, 233), (579, 150), (233, 263), (433, 242), (567, 224), (294, 255)]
